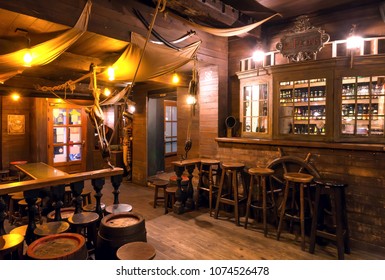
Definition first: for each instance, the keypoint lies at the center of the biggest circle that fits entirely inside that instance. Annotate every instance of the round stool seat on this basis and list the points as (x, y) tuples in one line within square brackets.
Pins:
[(160, 183), (17, 195), (92, 207), (51, 228), (136, 251), (118, 208), (233, 165), (171, 189), (260, 171), (208, 161), (20, 230), (10, 243), (65, 213), (83, 218), (23, 202), (298, 177)]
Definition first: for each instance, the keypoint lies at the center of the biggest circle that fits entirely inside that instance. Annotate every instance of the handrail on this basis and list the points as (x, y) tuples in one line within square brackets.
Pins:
[(67, 179)]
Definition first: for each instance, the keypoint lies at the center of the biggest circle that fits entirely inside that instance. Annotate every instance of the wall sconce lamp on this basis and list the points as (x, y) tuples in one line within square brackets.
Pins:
[(353, 42), (15, 96), (191, 100), (258, 58)]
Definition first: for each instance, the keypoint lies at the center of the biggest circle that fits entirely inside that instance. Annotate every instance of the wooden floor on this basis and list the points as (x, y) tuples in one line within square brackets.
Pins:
[(195, 235)]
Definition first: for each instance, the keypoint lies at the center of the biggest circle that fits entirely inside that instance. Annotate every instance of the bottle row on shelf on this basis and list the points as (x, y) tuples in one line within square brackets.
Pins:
[(349, 91), (350, 110), (314, 113), (310, 129), (302, 95)]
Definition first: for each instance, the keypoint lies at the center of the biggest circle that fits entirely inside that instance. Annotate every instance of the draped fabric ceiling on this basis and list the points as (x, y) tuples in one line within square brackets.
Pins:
[(156, 61)]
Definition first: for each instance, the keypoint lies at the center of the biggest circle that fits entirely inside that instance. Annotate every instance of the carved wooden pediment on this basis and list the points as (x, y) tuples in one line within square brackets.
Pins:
[(303, 41)]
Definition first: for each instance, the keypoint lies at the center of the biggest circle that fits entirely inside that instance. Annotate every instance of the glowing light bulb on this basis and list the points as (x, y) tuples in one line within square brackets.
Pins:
[(15, 96), (106, 92), (131, 109), (175, 78), (191, 100), (27, 58), (354, 42), (111, 73), (258, 55)]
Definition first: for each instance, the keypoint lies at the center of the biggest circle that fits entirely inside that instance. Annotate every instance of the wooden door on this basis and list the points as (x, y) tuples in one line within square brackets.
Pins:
[(67, 130)]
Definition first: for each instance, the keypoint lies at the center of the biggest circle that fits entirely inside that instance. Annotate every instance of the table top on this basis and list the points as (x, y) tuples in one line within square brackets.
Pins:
[(40, 170)]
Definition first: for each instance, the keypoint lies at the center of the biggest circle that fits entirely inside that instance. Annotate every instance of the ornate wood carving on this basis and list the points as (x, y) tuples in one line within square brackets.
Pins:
[(303, 42)]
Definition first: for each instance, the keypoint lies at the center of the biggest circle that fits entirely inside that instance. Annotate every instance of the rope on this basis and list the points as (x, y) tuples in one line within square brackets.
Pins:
[(159, 8)]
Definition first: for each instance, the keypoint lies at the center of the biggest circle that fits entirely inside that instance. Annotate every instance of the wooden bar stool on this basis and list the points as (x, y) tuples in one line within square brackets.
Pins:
[(65, 213), (136, 251), (86, 195), (85, 223), (159, 184), (302, 181), (233, 171), (11, 246), (169, 200), (259, 175), (335, 191), (208, 169)]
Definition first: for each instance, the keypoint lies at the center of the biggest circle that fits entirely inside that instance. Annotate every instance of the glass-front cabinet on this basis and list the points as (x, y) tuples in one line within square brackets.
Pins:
[(362, 107), (255, 107), (302, 107)]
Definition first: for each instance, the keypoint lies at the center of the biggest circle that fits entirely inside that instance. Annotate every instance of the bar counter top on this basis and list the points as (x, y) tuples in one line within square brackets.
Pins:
[(310, 144)]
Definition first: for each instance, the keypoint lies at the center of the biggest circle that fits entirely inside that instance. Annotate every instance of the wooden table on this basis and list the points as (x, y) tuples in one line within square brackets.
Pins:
[(40, 170), (179, 167)]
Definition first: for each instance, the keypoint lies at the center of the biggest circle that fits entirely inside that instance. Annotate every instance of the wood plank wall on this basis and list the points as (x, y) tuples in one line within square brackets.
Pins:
[(208, 111)]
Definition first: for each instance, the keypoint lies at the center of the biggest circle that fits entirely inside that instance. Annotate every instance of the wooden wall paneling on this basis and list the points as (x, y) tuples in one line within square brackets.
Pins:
[(209, 110), (38, 130), (15, 146)]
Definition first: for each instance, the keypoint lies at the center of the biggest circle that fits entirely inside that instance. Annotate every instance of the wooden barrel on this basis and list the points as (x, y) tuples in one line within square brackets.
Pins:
[(116, 230), (63, 246)]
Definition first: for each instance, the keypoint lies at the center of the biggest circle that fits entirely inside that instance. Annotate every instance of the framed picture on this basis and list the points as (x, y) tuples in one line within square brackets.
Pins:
[(16, 124)]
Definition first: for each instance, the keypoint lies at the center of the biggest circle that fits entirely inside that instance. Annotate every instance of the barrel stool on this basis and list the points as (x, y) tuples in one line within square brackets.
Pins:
[(208, 169), (115, 230), (259, 175), (233, 171), (301, 181), (169, 200), (50, 228), (335, 191), (63, 246), (85, 223), (118, 208), (11, 246), (136, 251), (159, 184)]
